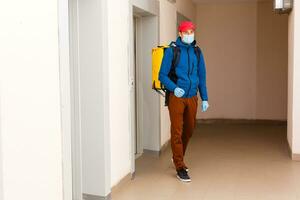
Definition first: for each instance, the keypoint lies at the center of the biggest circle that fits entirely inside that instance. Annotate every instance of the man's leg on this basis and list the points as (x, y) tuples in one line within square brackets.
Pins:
[(176, 109), (189, 120)]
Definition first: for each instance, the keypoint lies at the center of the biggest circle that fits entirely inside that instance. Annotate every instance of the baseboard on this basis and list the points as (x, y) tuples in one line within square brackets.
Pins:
[(123, 181), (151, 153), (94, 197), (242, 121), (165, 146), (294, 156)]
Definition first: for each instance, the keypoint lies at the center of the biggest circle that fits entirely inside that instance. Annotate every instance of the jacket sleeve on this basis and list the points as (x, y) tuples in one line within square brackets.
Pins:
[(202, 79), (165, 69)]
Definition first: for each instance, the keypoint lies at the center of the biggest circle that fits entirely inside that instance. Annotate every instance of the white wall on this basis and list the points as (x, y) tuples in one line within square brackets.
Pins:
[(31, 135), (118, 39), (167, 33), (294, 80)]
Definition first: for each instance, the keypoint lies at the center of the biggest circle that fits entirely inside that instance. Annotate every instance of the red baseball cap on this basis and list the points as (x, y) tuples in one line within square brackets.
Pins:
[(186, 25)]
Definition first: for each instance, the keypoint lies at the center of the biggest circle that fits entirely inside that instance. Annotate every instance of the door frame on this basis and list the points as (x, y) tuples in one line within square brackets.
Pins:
[(139, 91), (65, 99), (75, 102)]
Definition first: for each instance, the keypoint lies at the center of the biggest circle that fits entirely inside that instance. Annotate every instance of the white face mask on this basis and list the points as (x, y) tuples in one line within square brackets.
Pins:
[(188, 39)]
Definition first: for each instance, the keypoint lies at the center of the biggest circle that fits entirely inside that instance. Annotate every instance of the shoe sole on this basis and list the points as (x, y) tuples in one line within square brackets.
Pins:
[(184, 180)]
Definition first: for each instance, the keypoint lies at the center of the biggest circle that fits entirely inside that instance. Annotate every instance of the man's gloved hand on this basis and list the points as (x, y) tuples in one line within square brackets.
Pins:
[(205, 106), (178, 92)]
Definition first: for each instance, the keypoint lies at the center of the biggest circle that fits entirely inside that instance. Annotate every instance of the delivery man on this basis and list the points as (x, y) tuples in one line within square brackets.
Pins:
[(183, 101)]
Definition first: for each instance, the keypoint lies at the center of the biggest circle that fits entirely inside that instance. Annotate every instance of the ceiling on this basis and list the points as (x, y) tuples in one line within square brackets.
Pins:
[(225, 1)]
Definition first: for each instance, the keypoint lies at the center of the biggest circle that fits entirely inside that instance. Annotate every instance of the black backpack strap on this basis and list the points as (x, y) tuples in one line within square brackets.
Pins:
[(198, 53), (172, 73), (175, 61), (167, 96)]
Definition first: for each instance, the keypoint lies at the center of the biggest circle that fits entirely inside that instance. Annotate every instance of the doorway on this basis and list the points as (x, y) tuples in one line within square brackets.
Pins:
[(144, 103)]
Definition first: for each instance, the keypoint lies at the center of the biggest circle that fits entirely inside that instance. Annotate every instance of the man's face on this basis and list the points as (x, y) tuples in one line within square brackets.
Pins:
[(187, 32)]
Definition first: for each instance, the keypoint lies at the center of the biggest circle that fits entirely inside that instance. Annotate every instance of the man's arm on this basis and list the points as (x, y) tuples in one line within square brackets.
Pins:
[(202, 79), (165, 69)]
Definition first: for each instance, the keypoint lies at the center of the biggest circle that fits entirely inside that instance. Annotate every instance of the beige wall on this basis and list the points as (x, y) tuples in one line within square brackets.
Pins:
[(187, 8), (245, 47), (272, 62)]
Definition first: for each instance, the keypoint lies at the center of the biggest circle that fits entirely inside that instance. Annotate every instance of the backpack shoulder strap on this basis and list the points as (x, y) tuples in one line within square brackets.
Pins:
[(172, 73), (198, 53), (176, 56), (175, 61)]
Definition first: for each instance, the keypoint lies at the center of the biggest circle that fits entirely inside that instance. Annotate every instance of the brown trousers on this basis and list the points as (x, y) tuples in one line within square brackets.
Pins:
[(183, 120)]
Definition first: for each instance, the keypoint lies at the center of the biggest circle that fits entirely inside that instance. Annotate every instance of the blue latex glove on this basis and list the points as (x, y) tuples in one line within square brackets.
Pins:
[(205, 106), (178, 92)]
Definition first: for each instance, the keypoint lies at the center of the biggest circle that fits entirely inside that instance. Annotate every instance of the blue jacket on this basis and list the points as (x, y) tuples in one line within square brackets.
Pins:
[(190, 76)]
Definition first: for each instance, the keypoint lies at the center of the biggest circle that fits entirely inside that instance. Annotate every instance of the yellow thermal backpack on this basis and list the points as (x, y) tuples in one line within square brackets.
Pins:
[(157, 57)]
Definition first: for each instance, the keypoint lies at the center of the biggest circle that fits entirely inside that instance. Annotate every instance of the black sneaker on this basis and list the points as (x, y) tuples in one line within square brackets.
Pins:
[(183, 175)]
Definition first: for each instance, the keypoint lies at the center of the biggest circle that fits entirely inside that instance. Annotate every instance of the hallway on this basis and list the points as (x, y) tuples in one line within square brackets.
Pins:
[(227, 162)]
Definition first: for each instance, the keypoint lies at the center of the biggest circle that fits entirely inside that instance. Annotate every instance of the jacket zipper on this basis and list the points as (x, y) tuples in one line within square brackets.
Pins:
[(189, 72)]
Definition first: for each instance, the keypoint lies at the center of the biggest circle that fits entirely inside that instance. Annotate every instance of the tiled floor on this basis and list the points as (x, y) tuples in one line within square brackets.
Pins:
[(227, 162)]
